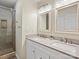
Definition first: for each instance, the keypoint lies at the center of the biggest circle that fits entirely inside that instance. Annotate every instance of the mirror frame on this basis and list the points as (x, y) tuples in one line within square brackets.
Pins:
[(38, 24), (77, 3)]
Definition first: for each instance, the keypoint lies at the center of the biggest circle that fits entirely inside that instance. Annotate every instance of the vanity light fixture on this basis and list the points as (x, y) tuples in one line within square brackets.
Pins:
[(45, 8)]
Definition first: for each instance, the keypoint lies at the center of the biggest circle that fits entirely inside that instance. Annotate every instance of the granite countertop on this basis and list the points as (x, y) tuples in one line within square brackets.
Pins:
[(69, 49)]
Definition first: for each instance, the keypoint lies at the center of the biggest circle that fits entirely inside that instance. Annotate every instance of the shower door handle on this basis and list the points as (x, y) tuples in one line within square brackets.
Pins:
[(17, 22), (19, 26)]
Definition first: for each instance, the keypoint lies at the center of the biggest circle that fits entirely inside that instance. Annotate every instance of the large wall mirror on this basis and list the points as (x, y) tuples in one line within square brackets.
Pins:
[(44, 22), (67, 19)]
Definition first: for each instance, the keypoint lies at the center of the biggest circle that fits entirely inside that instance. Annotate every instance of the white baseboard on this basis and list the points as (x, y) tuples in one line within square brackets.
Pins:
[(17, 56)]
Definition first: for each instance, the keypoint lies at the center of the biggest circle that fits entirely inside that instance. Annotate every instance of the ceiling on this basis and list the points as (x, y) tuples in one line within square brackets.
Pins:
[(8, 3), (11, 3), (43, 2)]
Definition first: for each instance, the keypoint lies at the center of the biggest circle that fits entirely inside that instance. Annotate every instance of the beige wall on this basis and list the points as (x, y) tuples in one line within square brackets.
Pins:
[(29, 20), (26, 14)]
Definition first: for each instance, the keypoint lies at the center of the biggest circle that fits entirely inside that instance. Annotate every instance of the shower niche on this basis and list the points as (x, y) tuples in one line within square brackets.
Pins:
[(3, 24), (67, 19)]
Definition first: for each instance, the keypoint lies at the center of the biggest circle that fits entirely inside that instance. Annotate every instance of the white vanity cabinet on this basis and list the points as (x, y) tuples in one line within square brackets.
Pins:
[(31, 52), (36, 54), (38, 51)]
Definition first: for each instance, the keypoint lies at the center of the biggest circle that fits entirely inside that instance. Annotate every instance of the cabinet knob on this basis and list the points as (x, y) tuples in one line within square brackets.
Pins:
[(17, 22), (19, 26), (49, 57), (33, 51), (40, 57)]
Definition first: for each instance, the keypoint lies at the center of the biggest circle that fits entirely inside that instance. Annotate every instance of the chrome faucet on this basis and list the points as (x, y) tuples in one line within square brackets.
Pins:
[(68, 40), (52, 37), (65, 40)]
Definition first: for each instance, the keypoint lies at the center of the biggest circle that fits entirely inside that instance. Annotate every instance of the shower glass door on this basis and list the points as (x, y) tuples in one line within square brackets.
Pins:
[(6, 40)]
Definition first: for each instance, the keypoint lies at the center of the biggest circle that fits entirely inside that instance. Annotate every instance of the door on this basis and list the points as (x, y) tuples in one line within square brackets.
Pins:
[(6, 40)]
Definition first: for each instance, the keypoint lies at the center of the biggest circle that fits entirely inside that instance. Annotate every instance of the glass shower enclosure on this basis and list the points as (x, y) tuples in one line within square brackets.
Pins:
[(7, 30)]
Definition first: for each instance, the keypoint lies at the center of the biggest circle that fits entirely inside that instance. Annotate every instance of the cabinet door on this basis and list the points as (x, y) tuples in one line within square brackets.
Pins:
[(58, 55), (31, 52), (41, 54)]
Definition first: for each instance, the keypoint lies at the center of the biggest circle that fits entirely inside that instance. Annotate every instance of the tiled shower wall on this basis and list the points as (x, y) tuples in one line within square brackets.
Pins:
[(5, 33)]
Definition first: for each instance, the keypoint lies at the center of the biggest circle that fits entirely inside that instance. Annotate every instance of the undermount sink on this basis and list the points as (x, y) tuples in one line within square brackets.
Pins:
[(49, 41), (65, 47)]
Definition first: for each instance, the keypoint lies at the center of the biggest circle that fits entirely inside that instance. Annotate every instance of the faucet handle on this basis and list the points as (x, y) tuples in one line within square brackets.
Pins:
[(68, 40), (52, 37), (65, 40)]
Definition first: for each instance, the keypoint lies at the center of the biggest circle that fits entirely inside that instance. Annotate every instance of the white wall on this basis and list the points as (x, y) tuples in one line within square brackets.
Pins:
[(26, 12)]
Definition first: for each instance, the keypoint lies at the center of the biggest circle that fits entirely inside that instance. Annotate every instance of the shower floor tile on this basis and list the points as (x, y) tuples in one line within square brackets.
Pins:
[(6, 51), (8, 56)]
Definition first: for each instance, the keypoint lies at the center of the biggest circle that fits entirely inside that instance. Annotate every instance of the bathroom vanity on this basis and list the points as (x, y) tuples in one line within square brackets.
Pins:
[(63, 20), (45, 48)]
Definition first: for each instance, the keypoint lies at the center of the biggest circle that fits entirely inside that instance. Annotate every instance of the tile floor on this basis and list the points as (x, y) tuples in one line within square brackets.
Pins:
[(13, 57)]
